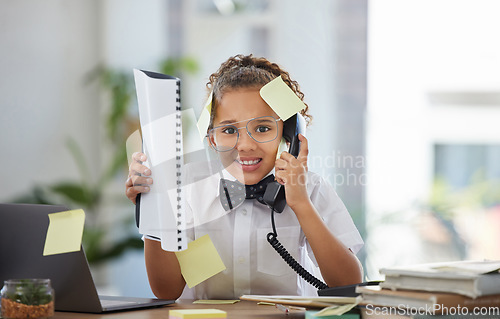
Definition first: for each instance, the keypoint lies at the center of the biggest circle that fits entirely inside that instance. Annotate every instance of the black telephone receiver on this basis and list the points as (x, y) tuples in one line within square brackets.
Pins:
[(274, 195)]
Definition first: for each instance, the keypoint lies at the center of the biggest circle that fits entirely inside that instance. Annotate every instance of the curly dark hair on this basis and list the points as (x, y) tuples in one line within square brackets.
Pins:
[(247, 71)]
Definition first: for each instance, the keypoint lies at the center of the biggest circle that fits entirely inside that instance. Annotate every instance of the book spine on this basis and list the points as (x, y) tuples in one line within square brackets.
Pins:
[(487, 284), (451, 301), (446, 285), (483, 285)]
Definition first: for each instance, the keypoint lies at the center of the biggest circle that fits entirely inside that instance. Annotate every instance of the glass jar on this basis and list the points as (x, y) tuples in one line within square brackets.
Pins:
[(27, 298)]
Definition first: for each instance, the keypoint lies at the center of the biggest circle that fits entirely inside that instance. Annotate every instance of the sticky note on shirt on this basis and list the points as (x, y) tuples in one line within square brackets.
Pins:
[(65, 232), (281, 98), (200, 261), (196, 314)]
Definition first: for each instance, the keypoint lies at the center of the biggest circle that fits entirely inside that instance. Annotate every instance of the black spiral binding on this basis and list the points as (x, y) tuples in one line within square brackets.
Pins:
[(178, 164), (273, 240)]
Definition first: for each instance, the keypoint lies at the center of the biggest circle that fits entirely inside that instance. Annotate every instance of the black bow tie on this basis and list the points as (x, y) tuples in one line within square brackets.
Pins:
[(232, 194)]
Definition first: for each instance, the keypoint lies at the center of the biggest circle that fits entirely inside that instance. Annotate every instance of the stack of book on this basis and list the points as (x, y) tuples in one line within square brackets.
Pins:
[(452, 288)]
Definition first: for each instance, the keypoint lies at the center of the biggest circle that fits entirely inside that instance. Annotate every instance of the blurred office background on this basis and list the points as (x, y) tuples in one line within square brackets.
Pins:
[(405, 97)]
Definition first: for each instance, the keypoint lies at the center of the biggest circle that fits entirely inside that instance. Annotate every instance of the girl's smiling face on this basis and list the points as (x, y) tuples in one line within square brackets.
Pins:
[(250, 161)]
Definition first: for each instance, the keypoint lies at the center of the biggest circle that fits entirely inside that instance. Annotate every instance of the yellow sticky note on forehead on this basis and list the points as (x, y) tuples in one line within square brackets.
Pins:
[(281, 98), (200, 261)]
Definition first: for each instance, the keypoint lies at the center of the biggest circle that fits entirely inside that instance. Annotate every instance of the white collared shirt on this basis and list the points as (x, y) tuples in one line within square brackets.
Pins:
[(239, 235)]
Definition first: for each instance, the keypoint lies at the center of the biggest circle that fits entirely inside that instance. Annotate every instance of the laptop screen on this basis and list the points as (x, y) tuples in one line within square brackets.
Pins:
[(23, 230)]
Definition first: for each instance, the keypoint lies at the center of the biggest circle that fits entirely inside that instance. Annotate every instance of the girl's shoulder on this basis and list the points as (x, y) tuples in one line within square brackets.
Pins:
[(317, 185), (316, 180)]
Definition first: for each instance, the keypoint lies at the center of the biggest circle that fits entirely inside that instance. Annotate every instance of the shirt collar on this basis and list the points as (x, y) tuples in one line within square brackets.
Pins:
[(226, 175)]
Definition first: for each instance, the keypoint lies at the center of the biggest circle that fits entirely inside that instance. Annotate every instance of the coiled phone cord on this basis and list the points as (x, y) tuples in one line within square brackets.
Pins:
[(273, 240)]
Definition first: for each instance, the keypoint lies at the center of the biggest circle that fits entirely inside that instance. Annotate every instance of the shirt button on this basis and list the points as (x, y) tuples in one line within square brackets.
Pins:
[(244, 212), (241, 260)]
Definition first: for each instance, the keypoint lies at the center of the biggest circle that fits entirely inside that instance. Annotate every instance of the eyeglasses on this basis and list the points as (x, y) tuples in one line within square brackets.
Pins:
[(261, 129)]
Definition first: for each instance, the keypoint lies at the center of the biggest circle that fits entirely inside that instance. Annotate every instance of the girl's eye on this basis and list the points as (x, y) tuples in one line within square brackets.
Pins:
[(262, 129), (229, 130)]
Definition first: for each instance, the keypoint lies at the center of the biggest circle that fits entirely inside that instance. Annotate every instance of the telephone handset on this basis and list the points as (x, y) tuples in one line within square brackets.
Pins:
[(274, 196)]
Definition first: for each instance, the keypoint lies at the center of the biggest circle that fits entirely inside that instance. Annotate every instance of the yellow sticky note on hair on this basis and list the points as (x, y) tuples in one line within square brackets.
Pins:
[(200, 261), (65, 232), (204, 119), (281, 98)]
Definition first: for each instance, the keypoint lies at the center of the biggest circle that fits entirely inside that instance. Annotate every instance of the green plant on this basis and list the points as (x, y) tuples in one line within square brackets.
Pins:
[(30, 293)]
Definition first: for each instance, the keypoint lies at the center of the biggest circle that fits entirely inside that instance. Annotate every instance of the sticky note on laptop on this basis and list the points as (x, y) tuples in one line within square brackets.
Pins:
[(200, 261), (65, 232), (196, 314)]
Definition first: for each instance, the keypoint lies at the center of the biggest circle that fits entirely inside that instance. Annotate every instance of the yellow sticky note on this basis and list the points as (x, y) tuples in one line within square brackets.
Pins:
[(196, 314), (65, 232), (215, 302), (204, 119), (200, 261), (336, 310), (133, 144), (281, 147), (281, 98)]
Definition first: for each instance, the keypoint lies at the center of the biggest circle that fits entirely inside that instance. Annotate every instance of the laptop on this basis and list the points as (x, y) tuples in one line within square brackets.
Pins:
[(23, 229)]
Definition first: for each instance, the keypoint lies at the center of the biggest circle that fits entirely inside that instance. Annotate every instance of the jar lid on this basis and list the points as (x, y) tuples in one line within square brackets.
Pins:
[(42, 281)]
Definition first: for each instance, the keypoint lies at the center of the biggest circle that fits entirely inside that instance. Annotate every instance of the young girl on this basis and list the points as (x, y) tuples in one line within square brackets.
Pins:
[(314, 227)]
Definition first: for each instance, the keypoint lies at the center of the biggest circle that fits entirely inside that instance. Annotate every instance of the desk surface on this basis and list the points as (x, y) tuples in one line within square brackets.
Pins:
[(241, 310)]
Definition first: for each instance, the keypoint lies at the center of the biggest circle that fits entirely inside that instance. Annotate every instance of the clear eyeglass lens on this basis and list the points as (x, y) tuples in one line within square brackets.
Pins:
[(261, 129)]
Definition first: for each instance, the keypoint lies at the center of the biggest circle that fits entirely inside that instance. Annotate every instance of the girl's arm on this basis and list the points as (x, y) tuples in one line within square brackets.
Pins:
[(164, 272), (338, 264)]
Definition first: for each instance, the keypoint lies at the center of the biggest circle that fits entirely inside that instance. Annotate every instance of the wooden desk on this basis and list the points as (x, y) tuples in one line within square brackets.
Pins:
[(240, 310)]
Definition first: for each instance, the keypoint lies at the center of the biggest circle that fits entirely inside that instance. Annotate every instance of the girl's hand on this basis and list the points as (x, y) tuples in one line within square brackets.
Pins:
[(292, 172), (138, 180)]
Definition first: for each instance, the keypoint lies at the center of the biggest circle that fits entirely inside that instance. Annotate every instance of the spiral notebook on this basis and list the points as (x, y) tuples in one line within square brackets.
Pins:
[(160, 213)]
